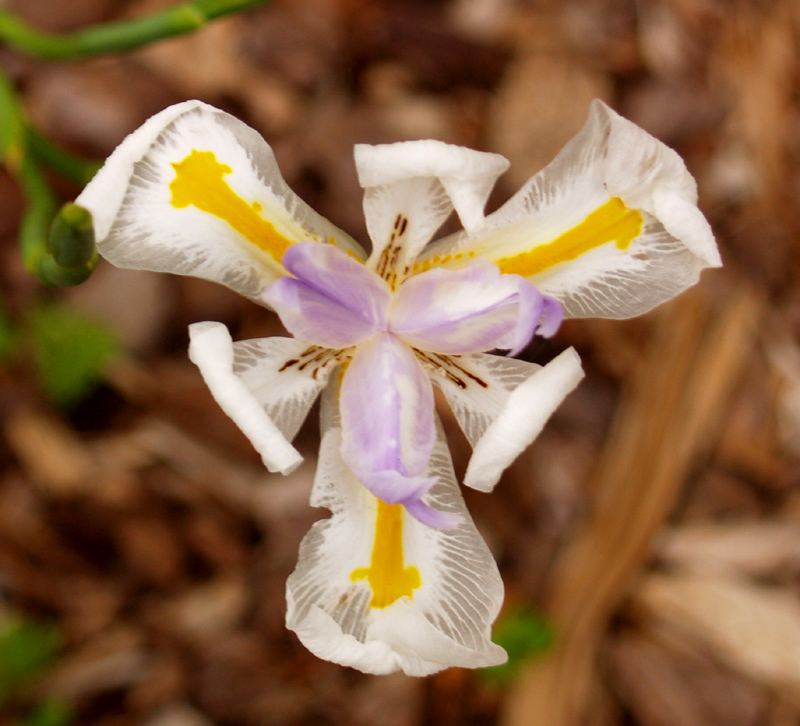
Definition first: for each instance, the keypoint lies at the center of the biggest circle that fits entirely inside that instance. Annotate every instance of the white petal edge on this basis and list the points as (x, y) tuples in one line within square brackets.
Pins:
[(466, 175), (649, 175), (524, 416), (139, 225), (274, 370), (211, 350), (447, 621), (104, 193), (609, 158)]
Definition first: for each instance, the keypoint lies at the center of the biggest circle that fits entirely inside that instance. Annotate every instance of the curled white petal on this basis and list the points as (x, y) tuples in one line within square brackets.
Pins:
[(211, 350), (525, 413), (444, 620), (650, 176), (390, 163), (103, 195), (502, 404), (610, 228), (195, 191), (284, 375), (412, 186)]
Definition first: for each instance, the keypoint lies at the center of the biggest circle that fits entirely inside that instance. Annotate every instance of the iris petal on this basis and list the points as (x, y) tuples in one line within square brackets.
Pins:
[(211, 349), (387, 419), (610, 227), (332, 301), (470, 310), (195, 191), (502, 404), (411, 187), (444, 616)]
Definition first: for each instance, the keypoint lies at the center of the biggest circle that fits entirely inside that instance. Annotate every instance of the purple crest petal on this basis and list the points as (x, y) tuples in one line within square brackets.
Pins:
[(430, 516), (531, 307), (393, 487), (553, 315), (388, 420), (470, 310), (333, 300)]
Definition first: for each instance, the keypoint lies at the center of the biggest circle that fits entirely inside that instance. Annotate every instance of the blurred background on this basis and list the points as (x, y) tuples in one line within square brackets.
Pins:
[(649, 540)]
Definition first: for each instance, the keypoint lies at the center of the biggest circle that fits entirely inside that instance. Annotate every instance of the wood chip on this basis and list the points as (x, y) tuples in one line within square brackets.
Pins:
[(753, 629), (178, 714), (51, 453), (665, 688), (762, 549), (204, 611), (112, 660)]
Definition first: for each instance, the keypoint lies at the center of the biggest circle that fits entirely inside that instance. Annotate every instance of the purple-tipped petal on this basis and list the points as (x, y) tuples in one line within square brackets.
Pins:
[(341, 278), (552, 316), (333, 300), (388, 425), (530, 309), (310, 315), (392, 487), (432, 517), (470, 310)]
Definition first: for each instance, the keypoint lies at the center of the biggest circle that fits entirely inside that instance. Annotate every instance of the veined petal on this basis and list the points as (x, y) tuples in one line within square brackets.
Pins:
[(376, 590), (211, 350), (333, 300), (387, 419), (610, 228), (502, 404), (285, 376), (470, 310), (411, 188), (195, 191)]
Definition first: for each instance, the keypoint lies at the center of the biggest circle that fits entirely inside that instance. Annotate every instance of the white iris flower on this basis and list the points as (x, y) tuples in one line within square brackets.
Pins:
[(398, 577)]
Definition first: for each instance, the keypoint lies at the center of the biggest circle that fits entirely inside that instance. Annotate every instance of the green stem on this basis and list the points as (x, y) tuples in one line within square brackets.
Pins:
[(73, 238), (41, 206), (12, 126), (116, 36), (70, 166)]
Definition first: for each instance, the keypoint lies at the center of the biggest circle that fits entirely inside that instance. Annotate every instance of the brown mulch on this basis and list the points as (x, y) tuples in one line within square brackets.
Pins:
[(656, 521)]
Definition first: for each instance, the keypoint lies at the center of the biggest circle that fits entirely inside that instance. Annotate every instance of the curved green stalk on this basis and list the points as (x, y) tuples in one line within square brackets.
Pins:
[(12, 126), (68, 235), (70, 238), (70, 166), (116, 36)]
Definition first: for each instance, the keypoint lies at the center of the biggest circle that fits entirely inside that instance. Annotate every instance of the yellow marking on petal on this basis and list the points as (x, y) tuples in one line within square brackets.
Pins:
[(387, 574), (612, 222), (199, 182)]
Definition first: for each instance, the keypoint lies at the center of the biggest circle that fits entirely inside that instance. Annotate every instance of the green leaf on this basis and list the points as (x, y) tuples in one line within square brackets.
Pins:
[(49, 713), (8, 337), (523, 633), (70, 352), (26, 649)]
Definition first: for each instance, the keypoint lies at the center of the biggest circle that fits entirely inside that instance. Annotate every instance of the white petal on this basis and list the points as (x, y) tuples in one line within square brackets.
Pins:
[(195, 191), (411, 188), (211, 350), (447, 618), (284, 375), (610, 228), (502, 405)]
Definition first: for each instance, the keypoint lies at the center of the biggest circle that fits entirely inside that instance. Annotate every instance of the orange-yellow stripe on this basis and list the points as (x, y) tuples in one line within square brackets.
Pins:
[(612, 222), (387, 574), (199, 182)]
